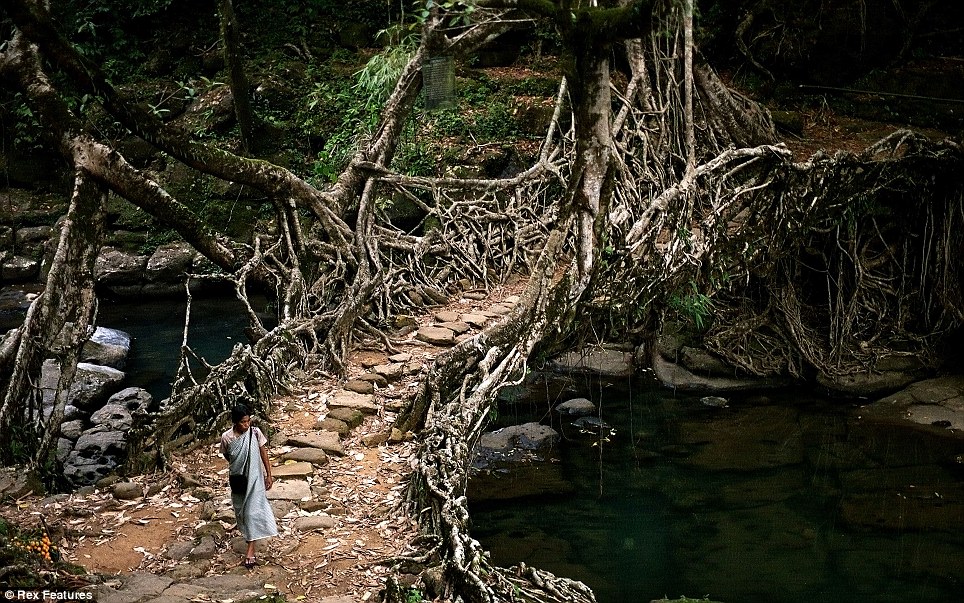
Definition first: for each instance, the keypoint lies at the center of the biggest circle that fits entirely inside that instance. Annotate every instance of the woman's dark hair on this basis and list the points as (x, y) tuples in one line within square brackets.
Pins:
[(239, 412)]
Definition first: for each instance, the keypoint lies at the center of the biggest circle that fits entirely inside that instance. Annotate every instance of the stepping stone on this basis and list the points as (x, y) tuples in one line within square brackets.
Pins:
[(360, 386), (374, 378), (329, 424), (464, 337), (350, 416), (475, 296), (456, 327), (447, 316), (436, 336), (489, 314), (295, 489), (329, 441), (314, 523), (391, 372), (512, 299), (362, 402), (403, 357), (315, 456), (372, 440), (500, 309), (476, 320), (296, 469)]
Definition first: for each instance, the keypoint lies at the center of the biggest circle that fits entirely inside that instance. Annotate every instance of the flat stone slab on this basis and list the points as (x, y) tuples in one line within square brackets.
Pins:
[(476, 320), (360, 386), (402, 357), (455, 326), (447, 316), (365, 403), (315, 456), (436, 336), (329, 424), (500, 309), (350, 416), (296, 469), (329, 441), (294, 489), (391, 372), (314, 523)]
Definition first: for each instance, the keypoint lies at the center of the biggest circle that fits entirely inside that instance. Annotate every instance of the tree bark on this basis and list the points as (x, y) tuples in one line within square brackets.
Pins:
[(231, 49)]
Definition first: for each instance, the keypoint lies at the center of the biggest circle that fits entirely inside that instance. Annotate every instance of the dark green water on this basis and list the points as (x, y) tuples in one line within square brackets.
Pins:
[(777, 499), (156, 329)]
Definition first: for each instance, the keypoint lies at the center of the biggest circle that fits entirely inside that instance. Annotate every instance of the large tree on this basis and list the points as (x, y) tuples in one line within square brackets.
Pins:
[(672, 182)]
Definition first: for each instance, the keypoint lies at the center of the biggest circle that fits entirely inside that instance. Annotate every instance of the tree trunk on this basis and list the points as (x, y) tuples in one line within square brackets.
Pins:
[(231, 49)]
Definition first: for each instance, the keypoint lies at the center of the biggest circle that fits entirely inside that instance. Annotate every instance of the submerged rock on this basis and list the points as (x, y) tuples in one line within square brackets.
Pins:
[(576, 407)]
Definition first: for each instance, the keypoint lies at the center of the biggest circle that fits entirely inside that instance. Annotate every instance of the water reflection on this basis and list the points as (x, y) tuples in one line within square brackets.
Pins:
[(783, 499)]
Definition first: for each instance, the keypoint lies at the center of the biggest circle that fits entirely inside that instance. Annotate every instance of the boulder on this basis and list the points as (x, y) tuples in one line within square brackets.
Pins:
[(94, 456), (72, 429), (515, 443), (576, 407), (679, 378), (107, 347), (91, 386), (18, 268), (127, 491), (169, 263), (113, 417), (134, 399), (115, 267), (597, 360)]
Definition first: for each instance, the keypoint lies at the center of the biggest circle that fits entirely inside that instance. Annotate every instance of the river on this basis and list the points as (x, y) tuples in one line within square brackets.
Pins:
[(773, 498)]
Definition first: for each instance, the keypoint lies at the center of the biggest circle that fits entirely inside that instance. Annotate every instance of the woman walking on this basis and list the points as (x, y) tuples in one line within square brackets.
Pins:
[(245, 449)]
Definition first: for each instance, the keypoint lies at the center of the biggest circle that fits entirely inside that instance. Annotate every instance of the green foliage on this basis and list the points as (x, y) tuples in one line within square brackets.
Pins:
[(413, 595), (26, 129), (695, 306)]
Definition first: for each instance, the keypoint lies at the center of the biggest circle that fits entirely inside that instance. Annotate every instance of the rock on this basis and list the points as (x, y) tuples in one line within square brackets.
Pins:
[(296, 469), (315, 456), (576, 407), (212, 529), (436, 336), (169, 263), (475, 320), (18, 484), (675, 376), (511, 300), (115, 267), (360, 402), (328, 441), (455, 326), (281, 508), (135, 586), (475, 295), (95, 455), (314, 523), (72, 429), (107, 347), (447, 316), (127, 491), (64, 446), (113, 417), (391, 372), (515, 443), (351, 416), (702, 362), (372, 440), (289, 490), (329, 424), (91, 386), (597, 360), (190, 480), (360, 386), (178, 550), (715, 401), (377, 379), (206, 549), (17, 268), (867, 384), (312, 506)]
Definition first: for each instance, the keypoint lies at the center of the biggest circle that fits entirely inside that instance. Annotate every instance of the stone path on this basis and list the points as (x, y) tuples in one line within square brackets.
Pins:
[(322, 442)]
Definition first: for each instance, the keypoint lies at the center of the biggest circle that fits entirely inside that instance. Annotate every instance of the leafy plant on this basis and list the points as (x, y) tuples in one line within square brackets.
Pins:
[(413, 595), (695, 306)]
